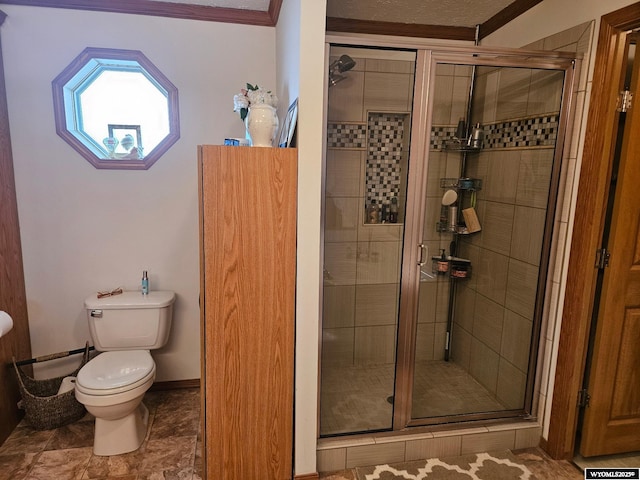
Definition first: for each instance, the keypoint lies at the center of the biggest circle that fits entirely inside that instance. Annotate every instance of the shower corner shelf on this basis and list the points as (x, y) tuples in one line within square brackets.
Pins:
[(461, 183), (453, 146), (442, 227), (454, 267)]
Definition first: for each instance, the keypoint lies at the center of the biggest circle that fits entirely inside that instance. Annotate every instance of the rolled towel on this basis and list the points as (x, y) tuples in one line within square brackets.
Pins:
[(68, 384), (6, 323)]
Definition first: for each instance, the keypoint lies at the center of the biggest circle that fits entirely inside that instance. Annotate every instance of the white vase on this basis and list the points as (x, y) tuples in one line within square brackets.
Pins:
[(262, 124)]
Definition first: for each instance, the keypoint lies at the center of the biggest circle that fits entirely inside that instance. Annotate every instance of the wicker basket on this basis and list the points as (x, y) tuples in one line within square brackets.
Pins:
[(44, 408)]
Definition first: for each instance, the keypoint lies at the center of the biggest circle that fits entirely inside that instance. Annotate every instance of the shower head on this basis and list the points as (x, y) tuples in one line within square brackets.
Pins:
[(338, 67)]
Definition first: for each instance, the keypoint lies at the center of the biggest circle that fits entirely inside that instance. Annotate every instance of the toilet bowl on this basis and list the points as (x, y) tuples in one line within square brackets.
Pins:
[(112, 385)]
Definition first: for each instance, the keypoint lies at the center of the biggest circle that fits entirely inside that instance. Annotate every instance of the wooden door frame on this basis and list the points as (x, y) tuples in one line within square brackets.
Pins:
[(587, 229)]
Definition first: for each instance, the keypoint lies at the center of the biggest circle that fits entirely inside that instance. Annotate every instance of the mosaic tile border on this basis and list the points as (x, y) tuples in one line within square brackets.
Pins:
[(537, 131)]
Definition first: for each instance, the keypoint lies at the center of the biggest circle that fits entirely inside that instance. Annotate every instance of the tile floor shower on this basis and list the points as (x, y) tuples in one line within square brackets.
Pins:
[(171, 450), (440, 388)]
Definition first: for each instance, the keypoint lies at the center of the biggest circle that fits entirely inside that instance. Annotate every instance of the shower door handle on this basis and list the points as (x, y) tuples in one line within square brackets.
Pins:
[(423, 253)]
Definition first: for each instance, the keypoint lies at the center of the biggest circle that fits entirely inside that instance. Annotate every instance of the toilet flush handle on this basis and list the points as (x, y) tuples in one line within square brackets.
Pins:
[(96, 313)]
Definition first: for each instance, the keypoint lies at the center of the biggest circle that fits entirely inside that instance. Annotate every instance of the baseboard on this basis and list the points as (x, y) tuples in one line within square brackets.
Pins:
[(175, 384), (308, 476)]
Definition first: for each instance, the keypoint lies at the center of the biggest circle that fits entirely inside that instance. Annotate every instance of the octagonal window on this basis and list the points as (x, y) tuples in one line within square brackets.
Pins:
[(116, 109)]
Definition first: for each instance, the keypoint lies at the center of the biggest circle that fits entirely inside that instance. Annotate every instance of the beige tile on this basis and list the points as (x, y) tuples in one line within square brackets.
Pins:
[(521, 288), (465, 307), (491, 275), (442, 100), (375, 345), (442, 299), (460, 351), (460, 99), (375, 454), (343, 175), (341, 219), (528, 437), (487, 92), (338, 306), (378, 262), (425, 335), (511, 385), (516, 339), (560, 40), (337, 347), (502, 176), (513, 93), (439, 340), (432, 216), (545, 92), (331, 460), (376, 304), (534, 177), (340, 263), (487, 442), (389, 66), (436, 167), (427, 295), (432, 448), (387, 92), (488, 320), (497, 227), (528, 230), (346, 99), (484, 365)]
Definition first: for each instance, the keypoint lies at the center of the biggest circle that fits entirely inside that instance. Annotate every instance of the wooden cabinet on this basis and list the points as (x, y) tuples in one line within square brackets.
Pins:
[(247, 254)]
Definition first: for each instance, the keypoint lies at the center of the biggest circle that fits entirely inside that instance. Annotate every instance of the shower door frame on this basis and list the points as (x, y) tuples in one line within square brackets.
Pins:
[(415, 213)]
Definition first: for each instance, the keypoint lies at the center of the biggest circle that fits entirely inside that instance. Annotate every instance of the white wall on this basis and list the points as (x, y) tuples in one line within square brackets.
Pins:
[(301, 73), (85, 229)]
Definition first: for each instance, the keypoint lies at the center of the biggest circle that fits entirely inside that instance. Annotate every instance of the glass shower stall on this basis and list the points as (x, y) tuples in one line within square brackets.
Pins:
[(442, 172)]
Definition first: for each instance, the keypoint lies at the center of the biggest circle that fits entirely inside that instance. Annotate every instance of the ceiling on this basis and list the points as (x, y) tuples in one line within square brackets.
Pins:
[(451, 19)]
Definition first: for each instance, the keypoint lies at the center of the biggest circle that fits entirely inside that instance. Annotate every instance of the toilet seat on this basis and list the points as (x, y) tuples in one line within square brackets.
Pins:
[(116, 372)]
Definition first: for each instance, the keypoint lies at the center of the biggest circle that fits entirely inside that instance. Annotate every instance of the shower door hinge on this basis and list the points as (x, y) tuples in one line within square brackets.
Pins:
[(624, 101), (602, 258), (583, 398)]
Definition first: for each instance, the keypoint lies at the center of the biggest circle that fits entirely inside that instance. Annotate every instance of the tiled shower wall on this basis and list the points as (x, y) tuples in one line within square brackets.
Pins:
[(494, 309), (366, 114)]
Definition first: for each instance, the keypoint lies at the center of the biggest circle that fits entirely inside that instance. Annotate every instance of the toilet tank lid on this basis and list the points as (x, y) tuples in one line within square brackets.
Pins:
[(131, 299)]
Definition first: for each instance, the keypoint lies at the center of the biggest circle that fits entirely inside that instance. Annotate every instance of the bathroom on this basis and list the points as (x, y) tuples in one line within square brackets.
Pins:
[(118, 223)]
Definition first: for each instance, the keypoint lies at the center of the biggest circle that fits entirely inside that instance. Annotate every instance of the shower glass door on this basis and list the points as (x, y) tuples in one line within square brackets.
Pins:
[(442, 172), (369, 121), (486, 219)]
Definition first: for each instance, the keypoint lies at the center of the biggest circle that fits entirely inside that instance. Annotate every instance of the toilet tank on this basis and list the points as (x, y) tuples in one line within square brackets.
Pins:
[(131, 320)]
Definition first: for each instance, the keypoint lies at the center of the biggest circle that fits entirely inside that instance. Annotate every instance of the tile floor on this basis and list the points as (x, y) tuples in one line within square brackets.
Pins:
[(170, 451), (355, 399)]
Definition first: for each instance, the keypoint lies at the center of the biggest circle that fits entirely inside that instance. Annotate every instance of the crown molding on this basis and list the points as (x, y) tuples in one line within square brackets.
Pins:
[(267, 18)]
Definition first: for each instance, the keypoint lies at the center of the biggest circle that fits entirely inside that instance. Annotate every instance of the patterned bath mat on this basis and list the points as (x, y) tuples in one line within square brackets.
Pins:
[(481, 466)]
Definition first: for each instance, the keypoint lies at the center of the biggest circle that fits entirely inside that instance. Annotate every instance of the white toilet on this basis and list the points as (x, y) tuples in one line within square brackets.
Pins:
[(111, 386)]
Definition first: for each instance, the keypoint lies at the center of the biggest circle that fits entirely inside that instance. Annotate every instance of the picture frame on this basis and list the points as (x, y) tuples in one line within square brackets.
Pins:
[(287, 132), (119, 131)]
